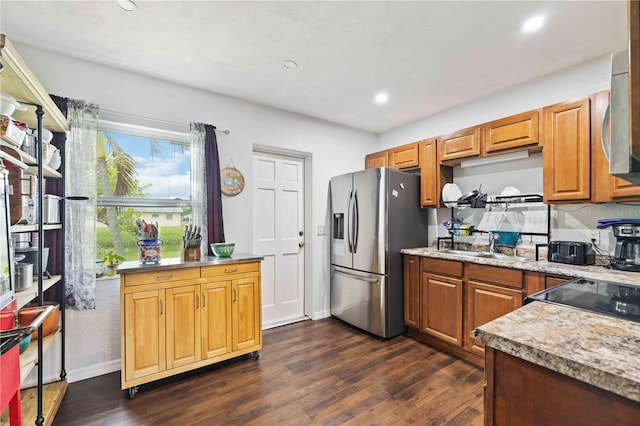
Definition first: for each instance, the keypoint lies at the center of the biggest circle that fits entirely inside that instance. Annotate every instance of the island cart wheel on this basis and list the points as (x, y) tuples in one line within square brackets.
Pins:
[(133, 391), (255, 355)]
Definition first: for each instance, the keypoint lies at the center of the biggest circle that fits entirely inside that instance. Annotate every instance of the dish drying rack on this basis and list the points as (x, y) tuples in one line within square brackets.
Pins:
[(481, 202)]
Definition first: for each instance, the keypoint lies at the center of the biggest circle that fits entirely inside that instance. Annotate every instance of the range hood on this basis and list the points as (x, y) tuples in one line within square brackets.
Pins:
[(616, 135)]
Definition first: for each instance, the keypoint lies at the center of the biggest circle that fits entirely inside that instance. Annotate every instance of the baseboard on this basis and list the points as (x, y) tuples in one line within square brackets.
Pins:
[(84, 373), (322, 314)]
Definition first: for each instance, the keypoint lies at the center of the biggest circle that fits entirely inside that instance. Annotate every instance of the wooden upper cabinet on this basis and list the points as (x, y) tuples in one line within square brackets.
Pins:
[(433, 176), (405, 156), (510, 133), (567, 152), (461, 144), (377, 159)]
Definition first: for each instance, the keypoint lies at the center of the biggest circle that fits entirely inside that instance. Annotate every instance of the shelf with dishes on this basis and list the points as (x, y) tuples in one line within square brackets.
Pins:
[(11, 153), (33, 228), (27, 295), (510, 197)]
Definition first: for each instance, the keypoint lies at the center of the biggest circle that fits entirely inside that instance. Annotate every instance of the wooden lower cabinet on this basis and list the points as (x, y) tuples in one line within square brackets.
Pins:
[(170, 327), (445, 300), (522, 393), (486, 302), (411, 279), (442, 307), (144, 334)]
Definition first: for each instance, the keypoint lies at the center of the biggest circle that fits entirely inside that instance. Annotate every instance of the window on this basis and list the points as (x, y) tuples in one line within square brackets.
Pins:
[(143, 173)]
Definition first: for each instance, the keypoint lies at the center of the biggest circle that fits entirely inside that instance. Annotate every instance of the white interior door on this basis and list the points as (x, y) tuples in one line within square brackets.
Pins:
[(278, 223)]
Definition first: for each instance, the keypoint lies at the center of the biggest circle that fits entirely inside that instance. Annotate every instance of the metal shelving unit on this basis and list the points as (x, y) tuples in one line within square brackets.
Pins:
[(39, 404)]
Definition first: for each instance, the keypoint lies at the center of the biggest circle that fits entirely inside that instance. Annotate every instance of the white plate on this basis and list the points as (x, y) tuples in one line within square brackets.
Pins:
[(450, 194)]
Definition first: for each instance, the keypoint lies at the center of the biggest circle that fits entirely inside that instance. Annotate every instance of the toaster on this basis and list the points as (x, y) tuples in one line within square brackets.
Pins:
[(572, 252)]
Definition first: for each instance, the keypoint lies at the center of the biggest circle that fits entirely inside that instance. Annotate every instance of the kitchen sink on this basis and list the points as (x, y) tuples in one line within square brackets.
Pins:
[(486, 255)]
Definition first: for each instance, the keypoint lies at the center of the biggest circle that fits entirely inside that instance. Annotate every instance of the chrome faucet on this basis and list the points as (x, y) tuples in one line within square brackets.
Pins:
[(492, 241)]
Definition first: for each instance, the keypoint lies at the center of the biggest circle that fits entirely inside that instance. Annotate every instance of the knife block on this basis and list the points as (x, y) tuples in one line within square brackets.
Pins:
[(191, 253)]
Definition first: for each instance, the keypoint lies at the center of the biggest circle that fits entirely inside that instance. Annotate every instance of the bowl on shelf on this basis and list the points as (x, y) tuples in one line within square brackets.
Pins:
[(222, 249), (24, 343), (28, 314)]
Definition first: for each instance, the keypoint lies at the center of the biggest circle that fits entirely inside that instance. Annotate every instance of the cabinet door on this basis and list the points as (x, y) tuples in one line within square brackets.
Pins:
[(567, 152), (411, 277), (378, 159), (485, 303), (462, 144), (442, 307), (183, 325), (433, 176), (517, 131), (246, 313), (216, 319), (405, 156), (144, 327)]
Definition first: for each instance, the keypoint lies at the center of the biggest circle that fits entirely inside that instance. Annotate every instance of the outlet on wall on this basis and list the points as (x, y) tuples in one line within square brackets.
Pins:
[(595, 236), (322, 230)]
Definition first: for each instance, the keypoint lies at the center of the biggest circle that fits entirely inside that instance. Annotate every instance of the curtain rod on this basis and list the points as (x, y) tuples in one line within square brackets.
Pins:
[(173, 123)]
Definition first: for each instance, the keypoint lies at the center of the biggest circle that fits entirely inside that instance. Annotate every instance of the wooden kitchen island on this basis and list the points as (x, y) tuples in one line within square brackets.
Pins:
[(553, 365), (179, 315)]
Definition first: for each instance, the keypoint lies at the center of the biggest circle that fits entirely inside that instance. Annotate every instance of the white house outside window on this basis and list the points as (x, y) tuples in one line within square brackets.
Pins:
[(143, 173)]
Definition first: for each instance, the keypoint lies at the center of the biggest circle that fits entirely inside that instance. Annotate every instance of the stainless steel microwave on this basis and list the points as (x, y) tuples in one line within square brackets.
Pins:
[(616, 135)]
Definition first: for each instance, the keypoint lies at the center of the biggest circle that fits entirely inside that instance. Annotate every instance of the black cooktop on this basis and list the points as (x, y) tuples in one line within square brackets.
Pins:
[(604, 297)]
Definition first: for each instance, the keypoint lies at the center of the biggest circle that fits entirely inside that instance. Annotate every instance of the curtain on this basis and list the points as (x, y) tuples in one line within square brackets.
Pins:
[(207, 199), (80, 220)]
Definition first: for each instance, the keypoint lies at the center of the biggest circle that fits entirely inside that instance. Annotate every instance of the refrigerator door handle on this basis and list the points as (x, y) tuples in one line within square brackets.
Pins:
[(349, 219), (357, 277), (356, 217)]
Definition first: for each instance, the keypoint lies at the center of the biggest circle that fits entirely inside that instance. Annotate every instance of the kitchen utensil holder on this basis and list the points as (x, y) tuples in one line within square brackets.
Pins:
[(149, 250), (191, 253)]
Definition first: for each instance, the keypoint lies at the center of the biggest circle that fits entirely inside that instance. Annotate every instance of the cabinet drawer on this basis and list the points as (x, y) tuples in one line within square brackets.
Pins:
[(441, 266), (154, 277), (496, 275), (233, 268), (552, 281)]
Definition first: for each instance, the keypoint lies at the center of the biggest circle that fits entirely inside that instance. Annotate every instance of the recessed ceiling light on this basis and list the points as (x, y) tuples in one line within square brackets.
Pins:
[(381, 98), (127, 5), (533, 24), (289, 64)]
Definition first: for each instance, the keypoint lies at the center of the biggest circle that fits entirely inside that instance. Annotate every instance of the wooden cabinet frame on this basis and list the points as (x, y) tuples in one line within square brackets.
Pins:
[(182, 319)]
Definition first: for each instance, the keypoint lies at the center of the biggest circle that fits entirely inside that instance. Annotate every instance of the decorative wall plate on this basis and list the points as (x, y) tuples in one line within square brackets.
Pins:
[(231, 180)]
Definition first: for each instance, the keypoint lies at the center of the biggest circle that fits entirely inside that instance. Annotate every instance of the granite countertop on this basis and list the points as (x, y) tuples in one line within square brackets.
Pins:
[(177, 263), (597, 349), (596, 272)]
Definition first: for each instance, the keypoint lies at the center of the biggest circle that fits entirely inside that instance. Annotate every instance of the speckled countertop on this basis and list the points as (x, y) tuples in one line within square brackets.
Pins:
[(177, 263), (595, 272), (597, 349)]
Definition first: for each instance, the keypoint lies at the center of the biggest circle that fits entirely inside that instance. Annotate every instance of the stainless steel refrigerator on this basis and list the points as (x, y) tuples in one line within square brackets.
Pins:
[(375, 213)]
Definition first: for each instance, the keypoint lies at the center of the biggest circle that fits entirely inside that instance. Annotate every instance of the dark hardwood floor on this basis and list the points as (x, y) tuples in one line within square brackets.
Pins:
[(309, 373)]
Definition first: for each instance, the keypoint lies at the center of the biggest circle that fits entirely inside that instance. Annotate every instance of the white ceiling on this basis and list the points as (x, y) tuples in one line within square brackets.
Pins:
[(429, 56)]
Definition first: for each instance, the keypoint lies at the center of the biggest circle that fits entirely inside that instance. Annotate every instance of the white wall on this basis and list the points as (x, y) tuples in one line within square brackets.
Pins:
[(569, 222), (334, 149)]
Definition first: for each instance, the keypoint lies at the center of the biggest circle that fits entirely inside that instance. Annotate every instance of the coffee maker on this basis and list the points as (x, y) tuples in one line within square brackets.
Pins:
[(627, 254)]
